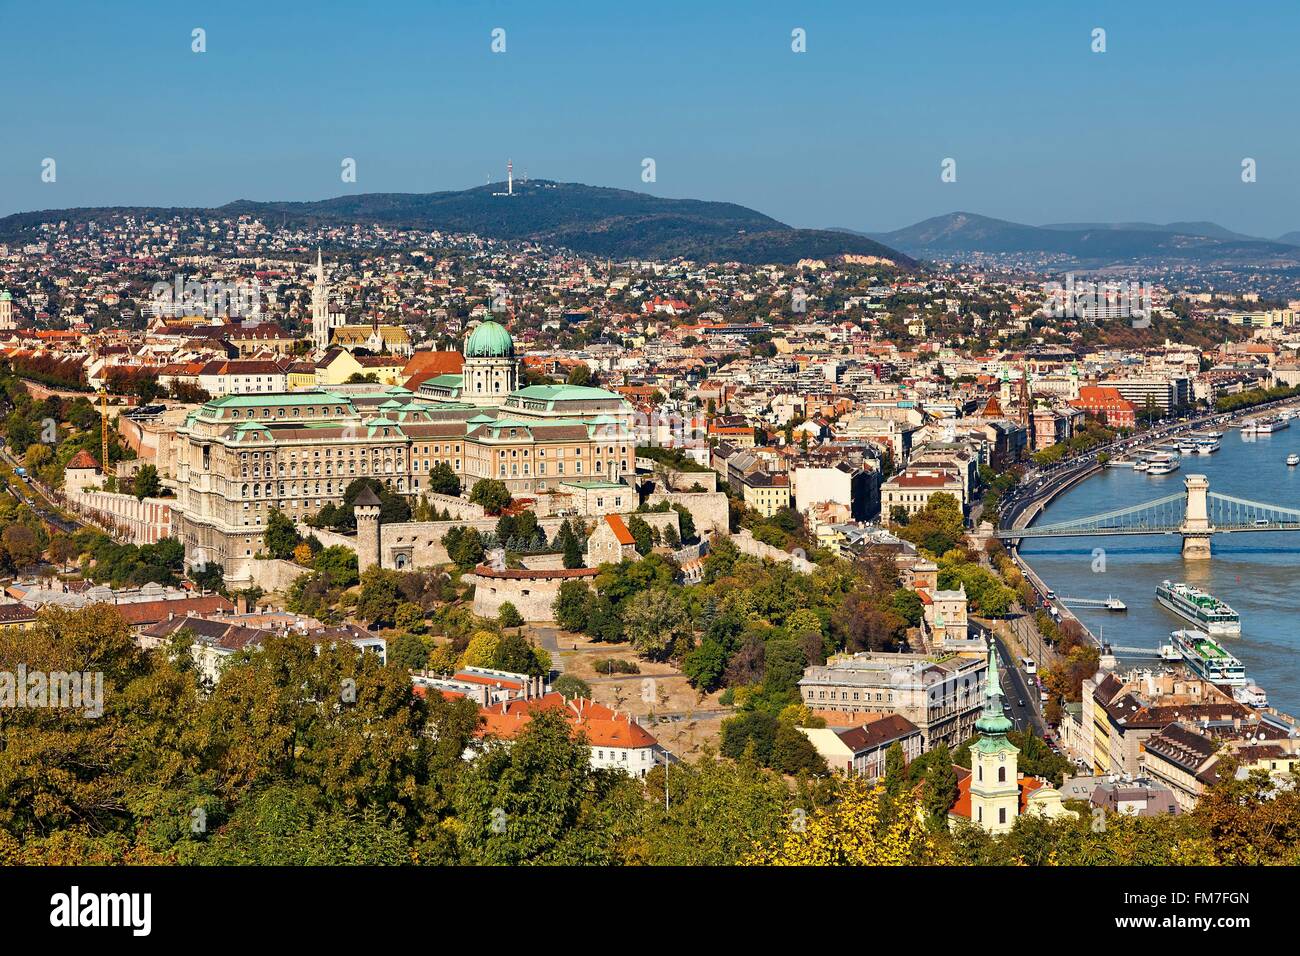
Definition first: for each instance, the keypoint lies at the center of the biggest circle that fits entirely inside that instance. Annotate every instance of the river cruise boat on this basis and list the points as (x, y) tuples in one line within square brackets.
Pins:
[(1206, 657), (1203, 609), (1270, 425), (1141, 465), (1162, 464), (1249, 427), (1293, 459), (1207, 445)]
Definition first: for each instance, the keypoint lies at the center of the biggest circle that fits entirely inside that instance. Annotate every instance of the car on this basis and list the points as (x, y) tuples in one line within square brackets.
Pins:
[(1051, 595), (1021, 702)]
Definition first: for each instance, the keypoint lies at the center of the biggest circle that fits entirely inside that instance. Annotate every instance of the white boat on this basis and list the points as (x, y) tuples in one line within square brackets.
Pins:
[(1162, 464), (1203, 609), (1206, 658), (1140, 465), (1208, 446), (1270, 425), (1293, 459), (1249, 427)]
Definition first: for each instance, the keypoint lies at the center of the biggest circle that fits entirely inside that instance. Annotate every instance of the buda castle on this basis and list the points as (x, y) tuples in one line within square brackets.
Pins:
[(236, 458)]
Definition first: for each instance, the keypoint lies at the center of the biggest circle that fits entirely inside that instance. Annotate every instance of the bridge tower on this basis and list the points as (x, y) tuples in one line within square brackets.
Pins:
[(1196, 528)]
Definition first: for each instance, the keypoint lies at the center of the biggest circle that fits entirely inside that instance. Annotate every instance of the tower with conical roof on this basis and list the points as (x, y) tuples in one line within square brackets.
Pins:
[(6, 311), (994, 782)]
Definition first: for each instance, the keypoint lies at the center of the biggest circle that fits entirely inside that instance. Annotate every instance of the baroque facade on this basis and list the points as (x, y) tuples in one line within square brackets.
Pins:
[(236, 459)]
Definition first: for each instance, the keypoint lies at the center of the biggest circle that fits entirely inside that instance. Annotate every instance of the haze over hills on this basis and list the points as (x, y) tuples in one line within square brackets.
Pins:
[(600, 221), (1093, 244)]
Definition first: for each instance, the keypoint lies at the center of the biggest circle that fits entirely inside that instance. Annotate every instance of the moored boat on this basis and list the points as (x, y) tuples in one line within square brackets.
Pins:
[(1200, 607)]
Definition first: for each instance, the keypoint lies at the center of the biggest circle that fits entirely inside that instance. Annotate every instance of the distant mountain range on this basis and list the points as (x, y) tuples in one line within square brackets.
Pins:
[(1092, 244), (617, 223)]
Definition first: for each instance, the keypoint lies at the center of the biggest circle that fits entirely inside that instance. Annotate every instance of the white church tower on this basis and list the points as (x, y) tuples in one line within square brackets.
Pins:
[(6, 312)]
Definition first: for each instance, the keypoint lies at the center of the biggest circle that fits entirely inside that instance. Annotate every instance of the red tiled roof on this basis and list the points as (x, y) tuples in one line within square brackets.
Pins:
[(616, 525), (962, 807), (83, 459)]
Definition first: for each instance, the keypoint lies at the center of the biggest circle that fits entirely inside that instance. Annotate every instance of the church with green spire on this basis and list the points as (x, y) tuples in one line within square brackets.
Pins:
[(992, 793)]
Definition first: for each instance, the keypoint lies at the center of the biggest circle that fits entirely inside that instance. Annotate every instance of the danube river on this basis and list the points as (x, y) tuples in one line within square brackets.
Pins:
[(1258, 574)]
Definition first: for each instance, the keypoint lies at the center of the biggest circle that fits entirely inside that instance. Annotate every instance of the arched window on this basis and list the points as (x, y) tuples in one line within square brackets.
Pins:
[(1002, 774)]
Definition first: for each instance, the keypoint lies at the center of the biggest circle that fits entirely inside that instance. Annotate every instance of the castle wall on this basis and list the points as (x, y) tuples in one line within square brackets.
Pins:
[(533, 593)]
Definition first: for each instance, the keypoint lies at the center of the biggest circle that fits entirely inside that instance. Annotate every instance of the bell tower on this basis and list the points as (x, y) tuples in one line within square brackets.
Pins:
[(994, 782)]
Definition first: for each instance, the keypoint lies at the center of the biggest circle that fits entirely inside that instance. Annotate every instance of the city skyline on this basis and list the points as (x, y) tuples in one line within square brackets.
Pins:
[(851, 133)]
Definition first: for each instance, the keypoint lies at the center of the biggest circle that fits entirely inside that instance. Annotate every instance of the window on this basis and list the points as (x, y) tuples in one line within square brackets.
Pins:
[(1002, 774), (1002, 814)]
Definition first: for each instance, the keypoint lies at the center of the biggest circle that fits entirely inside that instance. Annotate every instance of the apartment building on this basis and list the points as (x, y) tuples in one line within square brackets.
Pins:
[(942, 696)]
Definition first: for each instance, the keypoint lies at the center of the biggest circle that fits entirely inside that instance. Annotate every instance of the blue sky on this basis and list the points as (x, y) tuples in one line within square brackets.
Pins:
[(850, 133)]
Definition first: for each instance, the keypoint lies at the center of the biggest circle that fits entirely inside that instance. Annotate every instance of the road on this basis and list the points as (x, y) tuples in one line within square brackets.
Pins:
[(1015, 688), (21, 490)]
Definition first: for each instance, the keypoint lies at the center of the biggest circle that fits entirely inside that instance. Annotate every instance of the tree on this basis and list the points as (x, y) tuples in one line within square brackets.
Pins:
[(641, 534), (337, 566), (408, 652), (464, 546), (895, 769), (752, 728), (409, 617), (380, 595), (704, 665), (21, 546), (572, 605), (508, 615), (281, 536), (656, 622), (940, 790), (491, 494), (856, 829), (580, 375), (303, 554), (443, 480), (210, 577), (516, 654), (906, 603), (571, 545), (571, 687), (537, 800), (146, 484), (793, 752)]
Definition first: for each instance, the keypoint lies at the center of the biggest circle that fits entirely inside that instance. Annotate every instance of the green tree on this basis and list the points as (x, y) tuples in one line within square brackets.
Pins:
[(280, 536), (641, 534), (443, 480), (380, 596), (940, 790), (656, 622), (572, 605), (408, 652), (571, 686), (491, 494), (508, 615), (146, 484), (793, 752), (537, 800), (751, 728)]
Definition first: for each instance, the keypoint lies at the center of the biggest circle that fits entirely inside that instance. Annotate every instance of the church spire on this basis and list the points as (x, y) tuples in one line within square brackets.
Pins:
[(993, 722)]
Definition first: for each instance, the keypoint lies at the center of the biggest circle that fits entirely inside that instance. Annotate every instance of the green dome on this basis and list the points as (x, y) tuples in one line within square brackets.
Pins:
[(489, 340)]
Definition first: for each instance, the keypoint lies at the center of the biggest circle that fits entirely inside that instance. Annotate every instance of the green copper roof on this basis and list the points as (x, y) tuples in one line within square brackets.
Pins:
[(278, 398), (993, 723), (563, 393), (489, 340)]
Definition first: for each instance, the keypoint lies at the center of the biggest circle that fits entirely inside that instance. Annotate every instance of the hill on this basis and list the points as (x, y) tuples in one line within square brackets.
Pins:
[(1088, 244), (618, 223)]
